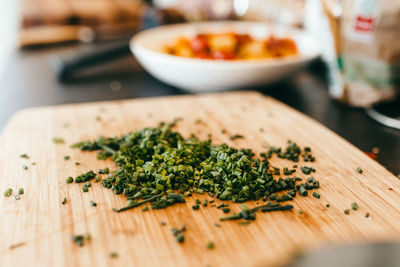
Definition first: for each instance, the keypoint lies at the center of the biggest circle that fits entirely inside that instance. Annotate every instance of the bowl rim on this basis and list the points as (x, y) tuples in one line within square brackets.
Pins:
[(136, 46)]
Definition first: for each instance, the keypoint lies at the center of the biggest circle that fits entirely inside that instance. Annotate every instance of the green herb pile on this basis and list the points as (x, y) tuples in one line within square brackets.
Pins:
[(159, 166)]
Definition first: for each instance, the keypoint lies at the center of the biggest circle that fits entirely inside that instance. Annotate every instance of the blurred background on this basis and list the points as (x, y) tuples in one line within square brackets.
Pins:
[(69, 51)]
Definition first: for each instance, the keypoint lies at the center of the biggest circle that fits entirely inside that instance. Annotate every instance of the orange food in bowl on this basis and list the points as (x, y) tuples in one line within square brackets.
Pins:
[(231, 46)]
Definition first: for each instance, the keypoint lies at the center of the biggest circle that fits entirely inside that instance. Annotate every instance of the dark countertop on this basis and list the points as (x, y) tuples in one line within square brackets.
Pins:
[(29, 81)]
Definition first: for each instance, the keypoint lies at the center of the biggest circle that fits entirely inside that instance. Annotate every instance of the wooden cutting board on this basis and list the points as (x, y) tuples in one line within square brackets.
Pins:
[(45, 226)]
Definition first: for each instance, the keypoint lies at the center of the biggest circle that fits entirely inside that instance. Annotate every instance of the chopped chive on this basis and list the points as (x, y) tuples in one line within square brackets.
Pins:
[(79, 239), (300, 211), (367, 215), (277, 208), (236, 136), (354, 206), (210, 245), (196, 206), (77, 163), (69, 180), (180, 237), (58, 140), (303, 191), (24, 167), (359, 170), (94, 204), (346, 211), (244, 223), (146, 208), (226, 210), (316, 195), (327, 205), (8, 192), (17, 197), (217, 225), (64, 200), (305, 170), (25, 156), (162, 223), (103, 171), (85, 189), (137, 204), (67, 157), (113, 255), (21, 191)]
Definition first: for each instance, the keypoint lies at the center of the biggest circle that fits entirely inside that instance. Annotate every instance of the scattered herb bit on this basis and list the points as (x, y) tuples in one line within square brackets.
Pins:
[(163, 223), (217, 225), (25, 156), (178, 233), (8, 192), (354, 206), (103, 171), (113, 255), (180, 238), (327, 205), (137, 204), (300, 211), (64, 200), (67, 157), (79, 239), (33, 163), (21, 191), (17, 197), (277, 208), (146, 208), (367, 215), (24, 167), (94, 204), (196, 206), (303, 191), (77, 163), (88, 184), (316, 195), (245, 223), (226, 210), (305, 170), (69, 180), (210, 245), (205, 203), (236, 136), (98, 179), (131, 202), (359, 170), (223, 131), (85, 189), (16, 245), (346, 211), (85, 177), (58, 140)]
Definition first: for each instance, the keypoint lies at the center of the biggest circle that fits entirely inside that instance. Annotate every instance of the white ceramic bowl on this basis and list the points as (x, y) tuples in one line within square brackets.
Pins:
[(199, 75)]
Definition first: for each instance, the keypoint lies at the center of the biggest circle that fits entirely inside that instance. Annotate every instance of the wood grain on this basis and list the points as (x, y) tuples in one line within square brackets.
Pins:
[(46, 226)]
